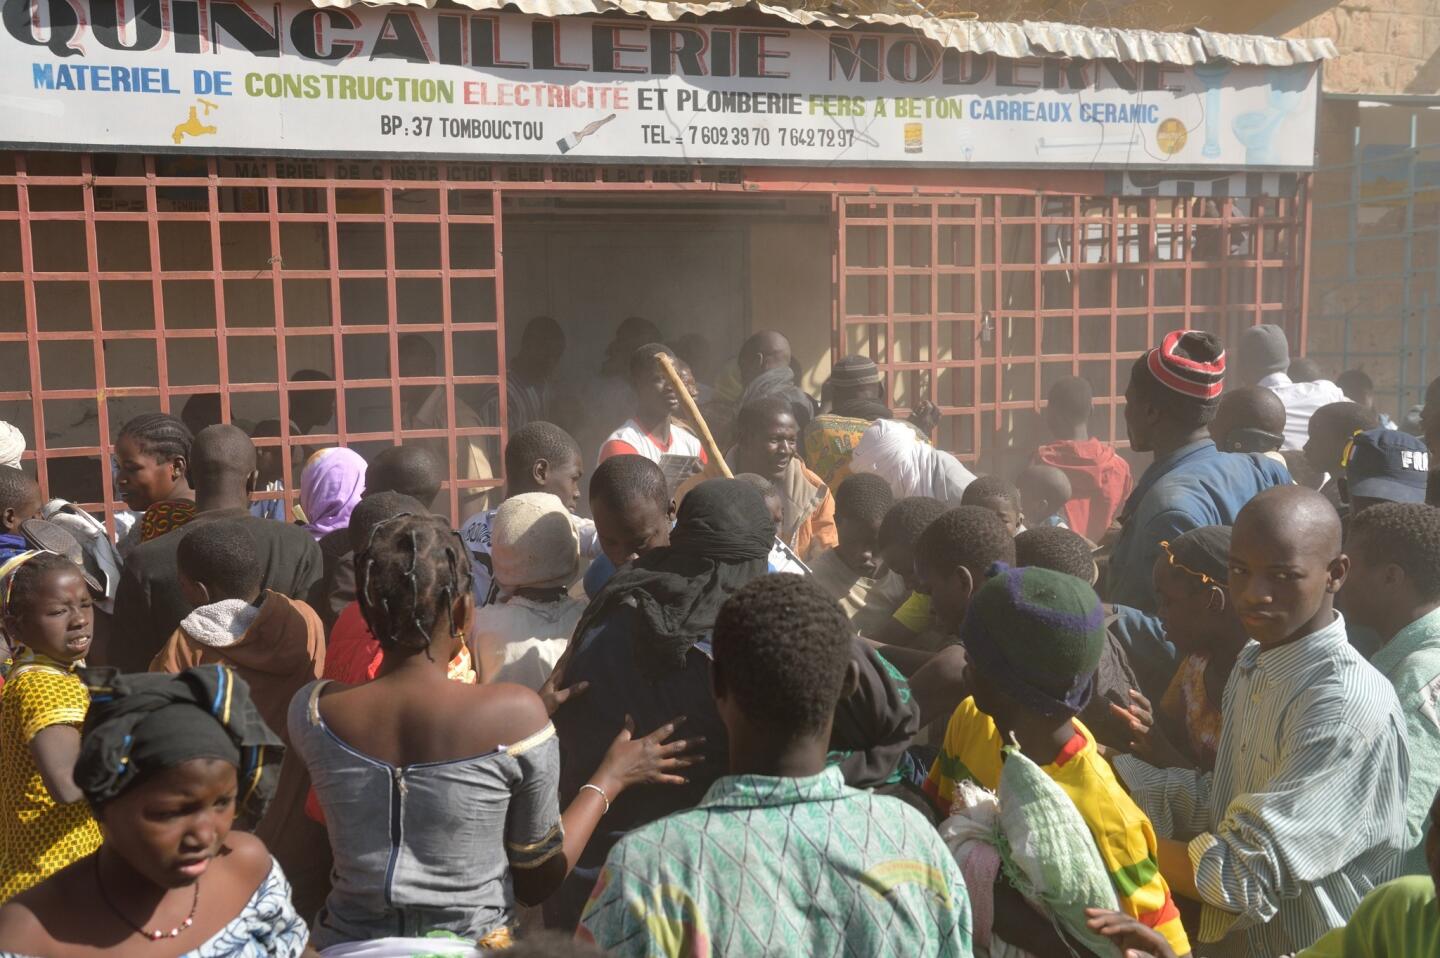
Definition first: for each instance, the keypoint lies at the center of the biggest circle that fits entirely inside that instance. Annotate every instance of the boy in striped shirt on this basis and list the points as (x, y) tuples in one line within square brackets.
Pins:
[(1033, 638), (1304, 813)]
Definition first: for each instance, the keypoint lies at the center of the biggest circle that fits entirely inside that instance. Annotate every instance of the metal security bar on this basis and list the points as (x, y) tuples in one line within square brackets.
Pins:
[(246, 291), (1376, 288), (980, 303)]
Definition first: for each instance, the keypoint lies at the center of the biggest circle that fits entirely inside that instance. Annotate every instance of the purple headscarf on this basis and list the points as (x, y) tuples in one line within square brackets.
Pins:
[(330, 487)]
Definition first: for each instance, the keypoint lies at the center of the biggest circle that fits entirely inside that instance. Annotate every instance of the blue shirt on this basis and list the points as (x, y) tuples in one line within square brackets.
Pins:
[(275, 509), (12, 544), (601, 571), (1197, 485), (1151, 655)]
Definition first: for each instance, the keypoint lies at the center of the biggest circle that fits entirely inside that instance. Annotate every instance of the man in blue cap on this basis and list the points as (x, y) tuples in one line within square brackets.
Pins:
[(1385, 465)]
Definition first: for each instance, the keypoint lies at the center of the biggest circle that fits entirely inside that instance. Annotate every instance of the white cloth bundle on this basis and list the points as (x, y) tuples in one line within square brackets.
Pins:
[(895, 452)]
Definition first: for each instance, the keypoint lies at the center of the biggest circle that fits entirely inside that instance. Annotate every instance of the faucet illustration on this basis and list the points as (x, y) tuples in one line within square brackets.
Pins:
[(191, 127)]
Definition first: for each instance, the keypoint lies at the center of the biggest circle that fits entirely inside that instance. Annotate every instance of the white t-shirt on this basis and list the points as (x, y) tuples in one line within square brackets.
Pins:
[(1301, 400), (476, 533), (633, 439)]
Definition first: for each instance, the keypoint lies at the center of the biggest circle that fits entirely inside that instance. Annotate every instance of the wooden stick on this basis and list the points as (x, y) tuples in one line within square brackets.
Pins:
[(712, 449)]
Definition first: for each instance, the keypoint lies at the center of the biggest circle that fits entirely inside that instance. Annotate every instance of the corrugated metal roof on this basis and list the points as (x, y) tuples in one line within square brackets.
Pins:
[(1023, 39)]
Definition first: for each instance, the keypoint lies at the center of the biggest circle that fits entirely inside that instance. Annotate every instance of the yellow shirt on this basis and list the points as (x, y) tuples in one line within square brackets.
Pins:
[(38, 837), (1122, 833)]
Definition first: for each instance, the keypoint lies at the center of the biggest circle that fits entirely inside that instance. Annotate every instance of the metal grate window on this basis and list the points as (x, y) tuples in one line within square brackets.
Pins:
[(980, 303), (250, 290)]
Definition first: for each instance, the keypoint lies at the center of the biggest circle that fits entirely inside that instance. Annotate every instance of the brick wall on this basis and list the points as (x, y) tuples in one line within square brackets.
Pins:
[(1386, 46)]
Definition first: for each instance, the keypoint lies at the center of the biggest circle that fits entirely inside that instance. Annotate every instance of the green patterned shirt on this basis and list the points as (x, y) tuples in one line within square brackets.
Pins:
[(782, 866)]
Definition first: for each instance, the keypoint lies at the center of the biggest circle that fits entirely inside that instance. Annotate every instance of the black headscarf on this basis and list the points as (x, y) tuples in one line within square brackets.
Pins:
[(779, 383), (1202, 552), (876, 723), (149, 721), (721, 540)]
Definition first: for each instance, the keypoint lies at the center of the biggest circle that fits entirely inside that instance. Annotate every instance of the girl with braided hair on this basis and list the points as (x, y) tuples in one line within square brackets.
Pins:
[(393, 760), (152, 456)]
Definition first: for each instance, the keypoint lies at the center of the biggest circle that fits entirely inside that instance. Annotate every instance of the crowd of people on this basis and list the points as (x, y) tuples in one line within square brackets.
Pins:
[(815, 689)]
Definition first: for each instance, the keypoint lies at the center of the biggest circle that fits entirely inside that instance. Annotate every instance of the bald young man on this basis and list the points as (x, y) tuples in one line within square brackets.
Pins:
[(768, 371), (1305, 810), (764, 350), (1250, 419), (149, 604)]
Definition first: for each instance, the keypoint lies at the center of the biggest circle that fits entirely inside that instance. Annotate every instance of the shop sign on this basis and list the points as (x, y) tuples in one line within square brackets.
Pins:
[(242, 76)]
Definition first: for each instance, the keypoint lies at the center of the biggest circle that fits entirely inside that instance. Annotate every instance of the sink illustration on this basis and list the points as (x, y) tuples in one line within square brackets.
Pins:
[(1211, 75)]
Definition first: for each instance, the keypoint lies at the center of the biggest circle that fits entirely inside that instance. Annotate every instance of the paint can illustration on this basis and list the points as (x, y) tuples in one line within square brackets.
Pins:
[(1171, 136), (914, 138)]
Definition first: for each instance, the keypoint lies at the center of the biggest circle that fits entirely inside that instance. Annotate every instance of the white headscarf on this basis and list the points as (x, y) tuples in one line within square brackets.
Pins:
[(895, 452), (12, 445)]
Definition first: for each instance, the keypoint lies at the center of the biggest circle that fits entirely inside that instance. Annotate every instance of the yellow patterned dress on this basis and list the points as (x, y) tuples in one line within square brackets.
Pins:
[(37, 836)]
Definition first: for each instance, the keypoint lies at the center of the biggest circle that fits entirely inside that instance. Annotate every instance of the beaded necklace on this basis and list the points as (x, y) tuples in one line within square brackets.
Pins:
[(157, 934)]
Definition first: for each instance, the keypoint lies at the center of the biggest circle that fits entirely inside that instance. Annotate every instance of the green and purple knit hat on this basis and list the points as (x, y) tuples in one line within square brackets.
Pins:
[(1037, 635)]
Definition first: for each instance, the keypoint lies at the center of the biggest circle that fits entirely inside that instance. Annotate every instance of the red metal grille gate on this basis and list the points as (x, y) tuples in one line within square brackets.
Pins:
[(130, 283), (137, 283), (980, 303)]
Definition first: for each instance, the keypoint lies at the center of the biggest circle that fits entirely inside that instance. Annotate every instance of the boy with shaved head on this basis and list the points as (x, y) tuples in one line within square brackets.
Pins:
[(19, 500), (768, 370), (1249, 419), (1044, 491), (149, 603), (1305, 811)]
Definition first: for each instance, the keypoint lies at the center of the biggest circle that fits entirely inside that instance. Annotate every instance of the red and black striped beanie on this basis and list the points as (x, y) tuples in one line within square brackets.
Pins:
[(1190, 363)]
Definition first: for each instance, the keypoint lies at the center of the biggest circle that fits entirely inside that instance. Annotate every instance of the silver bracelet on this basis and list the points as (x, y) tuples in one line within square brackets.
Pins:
[(601, 792)]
